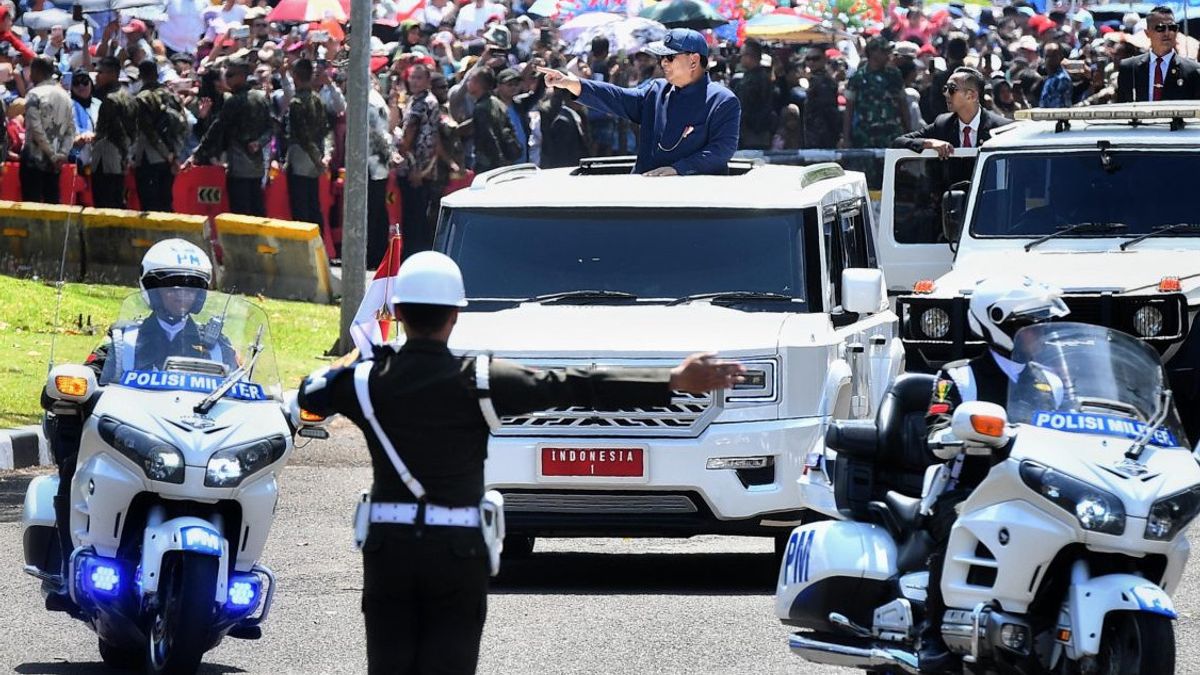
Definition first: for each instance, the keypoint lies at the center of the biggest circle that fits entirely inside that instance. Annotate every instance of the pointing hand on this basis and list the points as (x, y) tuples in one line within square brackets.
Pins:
[(566, 81), (703, 372)]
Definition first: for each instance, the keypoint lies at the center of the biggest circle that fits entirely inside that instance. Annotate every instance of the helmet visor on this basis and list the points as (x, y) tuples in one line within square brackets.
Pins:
[(174, 280)]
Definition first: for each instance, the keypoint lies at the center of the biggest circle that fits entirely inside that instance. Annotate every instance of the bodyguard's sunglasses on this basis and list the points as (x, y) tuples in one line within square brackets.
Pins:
[(950, 88), (1166, 27)]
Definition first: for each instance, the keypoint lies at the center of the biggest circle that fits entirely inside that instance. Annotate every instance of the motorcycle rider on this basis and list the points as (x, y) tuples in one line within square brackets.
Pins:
[(999, 307), (174, 281)]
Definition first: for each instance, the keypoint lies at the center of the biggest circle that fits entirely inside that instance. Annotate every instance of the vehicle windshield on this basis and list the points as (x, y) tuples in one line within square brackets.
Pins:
[(1119, 193), (1089, 379), (186, 339), (653, 254)]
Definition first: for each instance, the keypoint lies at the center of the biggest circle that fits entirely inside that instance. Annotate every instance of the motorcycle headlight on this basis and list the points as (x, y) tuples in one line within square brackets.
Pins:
[(159, 460), (935, 323), (1170, 515), (1148, 321), (1095, 509), (229, 467)]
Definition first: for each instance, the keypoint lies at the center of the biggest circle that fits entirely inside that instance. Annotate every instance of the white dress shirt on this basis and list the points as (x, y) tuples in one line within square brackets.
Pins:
[(973, 126), (1166, 66)]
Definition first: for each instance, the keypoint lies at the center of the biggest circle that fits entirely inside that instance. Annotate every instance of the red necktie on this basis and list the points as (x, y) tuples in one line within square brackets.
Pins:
[(966, 137), (1158, 80)]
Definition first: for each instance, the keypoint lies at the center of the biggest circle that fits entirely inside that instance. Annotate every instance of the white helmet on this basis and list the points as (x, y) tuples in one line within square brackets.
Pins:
[(1002, 305), (175, 262), (429, 278)]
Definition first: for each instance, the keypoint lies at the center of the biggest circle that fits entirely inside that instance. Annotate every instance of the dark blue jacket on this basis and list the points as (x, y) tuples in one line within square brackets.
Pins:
[(712, 111)]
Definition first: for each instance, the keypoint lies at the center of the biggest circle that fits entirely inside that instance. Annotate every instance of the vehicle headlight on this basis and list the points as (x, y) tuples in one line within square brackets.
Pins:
[(159, 459), (1148, 321), (1095, 509), (1171, 514), (229, 467), (935, 323), (758, 383)]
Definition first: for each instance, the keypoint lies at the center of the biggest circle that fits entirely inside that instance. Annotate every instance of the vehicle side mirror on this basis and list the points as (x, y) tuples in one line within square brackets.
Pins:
[(981, 423), (954, 211), (71, 382), (863, 290), (306, 424)]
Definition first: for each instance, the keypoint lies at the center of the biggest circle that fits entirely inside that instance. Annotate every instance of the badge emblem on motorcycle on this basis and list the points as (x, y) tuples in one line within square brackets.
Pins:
[(197, 421), (1130, 469)]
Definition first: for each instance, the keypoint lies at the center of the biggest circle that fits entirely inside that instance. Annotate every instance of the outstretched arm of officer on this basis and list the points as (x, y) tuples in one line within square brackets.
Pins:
[(517, 390), (561, 80)]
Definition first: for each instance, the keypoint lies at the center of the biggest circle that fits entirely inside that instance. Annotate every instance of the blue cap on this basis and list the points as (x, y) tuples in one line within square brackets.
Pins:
[(679, 41)]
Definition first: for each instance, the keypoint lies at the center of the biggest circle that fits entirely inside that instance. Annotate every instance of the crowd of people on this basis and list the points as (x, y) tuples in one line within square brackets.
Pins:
[(457, 89)]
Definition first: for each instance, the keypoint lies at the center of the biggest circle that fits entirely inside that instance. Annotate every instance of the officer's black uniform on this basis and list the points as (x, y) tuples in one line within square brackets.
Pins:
[(977, 379), (425, 588)]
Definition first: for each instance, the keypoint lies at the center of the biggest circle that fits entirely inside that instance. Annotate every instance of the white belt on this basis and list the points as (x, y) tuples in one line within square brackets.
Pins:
[(406, 514)]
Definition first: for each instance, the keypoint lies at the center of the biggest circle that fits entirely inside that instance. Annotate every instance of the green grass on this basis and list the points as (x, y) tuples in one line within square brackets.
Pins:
[(301, 332)]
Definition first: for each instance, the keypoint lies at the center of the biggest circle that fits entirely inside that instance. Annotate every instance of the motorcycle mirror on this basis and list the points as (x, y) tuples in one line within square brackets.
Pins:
[(71, 382), (981, 423)]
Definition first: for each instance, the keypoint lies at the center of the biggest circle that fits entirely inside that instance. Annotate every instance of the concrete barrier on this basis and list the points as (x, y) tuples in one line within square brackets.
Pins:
[(31, 240), (114, 240), (277, 258)]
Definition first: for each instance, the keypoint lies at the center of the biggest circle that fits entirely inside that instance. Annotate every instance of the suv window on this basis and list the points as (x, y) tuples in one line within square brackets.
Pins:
[(919, 185), (654, 254), (1035, 194), (848, 242)]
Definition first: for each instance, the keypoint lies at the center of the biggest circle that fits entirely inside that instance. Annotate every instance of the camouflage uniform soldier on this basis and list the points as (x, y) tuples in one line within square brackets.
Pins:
[(307, 126), (116, 129), (162, 128), (241, 130), (495, 142), (876, 113)]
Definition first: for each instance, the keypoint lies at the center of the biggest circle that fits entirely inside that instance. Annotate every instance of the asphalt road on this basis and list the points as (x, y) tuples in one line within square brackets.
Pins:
[(702, 605)]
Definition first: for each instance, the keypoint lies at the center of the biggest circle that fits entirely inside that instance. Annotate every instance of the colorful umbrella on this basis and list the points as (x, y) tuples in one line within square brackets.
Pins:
[(788, 28), (573, 28), (303, 11), (565, 9), (684, 14), (627, 35)]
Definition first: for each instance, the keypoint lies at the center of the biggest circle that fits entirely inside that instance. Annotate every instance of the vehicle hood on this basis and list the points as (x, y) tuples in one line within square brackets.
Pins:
[(626, 331), (1076, 271)]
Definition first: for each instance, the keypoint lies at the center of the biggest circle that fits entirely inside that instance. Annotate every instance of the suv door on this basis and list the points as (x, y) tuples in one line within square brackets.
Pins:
[(910, 240)]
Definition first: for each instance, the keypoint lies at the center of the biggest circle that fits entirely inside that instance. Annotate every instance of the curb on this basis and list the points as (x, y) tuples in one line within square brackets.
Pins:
[(23, 447)]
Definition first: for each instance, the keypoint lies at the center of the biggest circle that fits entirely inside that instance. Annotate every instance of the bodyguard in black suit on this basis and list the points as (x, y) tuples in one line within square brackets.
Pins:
[(1161, 74), (966, 125)]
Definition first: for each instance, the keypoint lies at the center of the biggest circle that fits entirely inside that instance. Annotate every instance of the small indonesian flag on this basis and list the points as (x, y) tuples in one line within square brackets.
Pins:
[(372, 321)]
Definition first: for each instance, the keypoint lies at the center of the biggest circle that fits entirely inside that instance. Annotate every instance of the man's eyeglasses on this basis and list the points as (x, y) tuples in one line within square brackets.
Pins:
[(1166, 27), (950, 88), (667, 58)]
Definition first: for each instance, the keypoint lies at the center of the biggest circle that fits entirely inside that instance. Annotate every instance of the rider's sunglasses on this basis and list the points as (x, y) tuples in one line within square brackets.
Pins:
[(1165, 27)]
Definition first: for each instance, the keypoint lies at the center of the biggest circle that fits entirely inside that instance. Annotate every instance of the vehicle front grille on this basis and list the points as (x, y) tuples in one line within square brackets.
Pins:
[(534, 502), (686, 416)]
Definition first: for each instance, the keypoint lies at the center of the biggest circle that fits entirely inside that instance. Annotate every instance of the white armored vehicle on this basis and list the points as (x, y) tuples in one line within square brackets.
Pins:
[(591, 266), (1097, 201)]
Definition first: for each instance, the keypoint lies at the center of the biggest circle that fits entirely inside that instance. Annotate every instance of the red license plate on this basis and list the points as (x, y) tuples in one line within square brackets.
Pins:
[(619, 462)]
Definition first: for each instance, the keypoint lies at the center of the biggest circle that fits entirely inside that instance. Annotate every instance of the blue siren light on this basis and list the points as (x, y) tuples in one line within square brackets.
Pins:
[(244, 590), (100, 576)]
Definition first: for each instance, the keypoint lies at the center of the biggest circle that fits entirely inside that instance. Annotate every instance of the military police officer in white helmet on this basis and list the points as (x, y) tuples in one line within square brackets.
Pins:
[(999, 307), (427, 531), (174, 281)]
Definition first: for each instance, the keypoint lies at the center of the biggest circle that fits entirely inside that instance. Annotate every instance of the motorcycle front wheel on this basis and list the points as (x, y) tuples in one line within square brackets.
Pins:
[(1136, 643), (180, 626)]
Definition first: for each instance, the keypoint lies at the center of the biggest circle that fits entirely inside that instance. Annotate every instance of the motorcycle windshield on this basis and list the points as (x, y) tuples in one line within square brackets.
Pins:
[(189, 339), (1089, 379)]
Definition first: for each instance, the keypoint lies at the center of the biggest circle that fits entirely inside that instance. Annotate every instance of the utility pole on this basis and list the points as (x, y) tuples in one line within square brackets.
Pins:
[(354, 194)]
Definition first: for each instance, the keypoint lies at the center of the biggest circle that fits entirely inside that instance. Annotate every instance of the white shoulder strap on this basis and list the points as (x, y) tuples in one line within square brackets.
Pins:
[(362, 372), (483, 366)]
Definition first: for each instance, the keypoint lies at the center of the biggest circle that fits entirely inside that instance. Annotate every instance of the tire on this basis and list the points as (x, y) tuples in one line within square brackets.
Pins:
[(180, 626), (1136, 643), (120, 658), (517, 547)]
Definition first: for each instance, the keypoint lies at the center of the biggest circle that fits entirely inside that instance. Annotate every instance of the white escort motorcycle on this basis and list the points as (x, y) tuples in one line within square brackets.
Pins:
[(1063, 560), (175, 487)]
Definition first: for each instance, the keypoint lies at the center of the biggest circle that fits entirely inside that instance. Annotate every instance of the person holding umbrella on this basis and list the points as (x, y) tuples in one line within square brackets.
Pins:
[(689, 124)]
